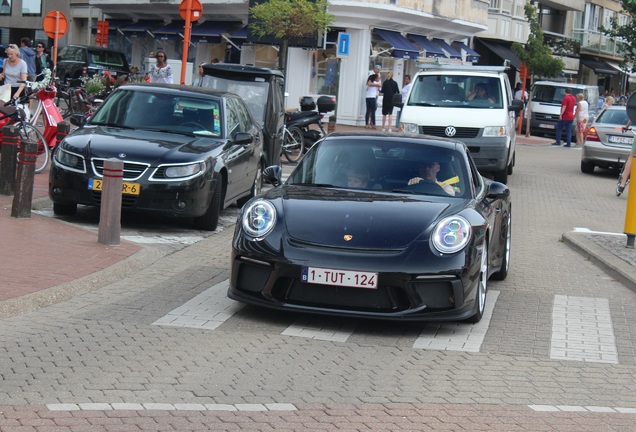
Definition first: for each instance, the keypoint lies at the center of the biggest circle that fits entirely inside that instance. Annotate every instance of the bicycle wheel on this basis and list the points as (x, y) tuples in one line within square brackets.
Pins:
[(64, 104), (293, 144), (28, 132)]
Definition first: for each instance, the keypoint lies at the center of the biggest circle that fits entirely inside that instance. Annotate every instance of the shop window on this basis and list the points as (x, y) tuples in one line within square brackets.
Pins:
[(325, 72)]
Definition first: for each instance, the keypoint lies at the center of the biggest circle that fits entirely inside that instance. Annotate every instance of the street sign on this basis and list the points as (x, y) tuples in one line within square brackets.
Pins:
[(195, 12), (344, 40), (55, 24)]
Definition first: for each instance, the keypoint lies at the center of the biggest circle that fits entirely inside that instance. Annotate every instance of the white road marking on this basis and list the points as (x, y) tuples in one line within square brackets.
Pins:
[(334, 329), (574, 408), (458, 336), (582, 330), (170, 407), (589, 231), (208, 310)]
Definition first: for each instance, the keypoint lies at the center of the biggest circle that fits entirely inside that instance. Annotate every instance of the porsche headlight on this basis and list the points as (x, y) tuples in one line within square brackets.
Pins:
[(451, 234), (180, 171), (259, 219), (410, 127), (495, 131)]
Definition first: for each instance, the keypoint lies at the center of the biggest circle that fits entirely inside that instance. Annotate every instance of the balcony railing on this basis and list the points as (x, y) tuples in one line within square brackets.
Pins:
[(597, 42)]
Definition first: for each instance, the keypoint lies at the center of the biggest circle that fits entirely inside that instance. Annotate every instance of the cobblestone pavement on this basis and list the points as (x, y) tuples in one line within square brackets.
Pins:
[(558, 352)]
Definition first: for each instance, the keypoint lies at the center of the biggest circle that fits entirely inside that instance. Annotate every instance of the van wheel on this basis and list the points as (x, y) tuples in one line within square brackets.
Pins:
[(512, 164), (502, 176)]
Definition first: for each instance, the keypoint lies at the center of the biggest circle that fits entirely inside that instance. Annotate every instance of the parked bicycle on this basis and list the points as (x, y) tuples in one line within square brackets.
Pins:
[(45, 112)]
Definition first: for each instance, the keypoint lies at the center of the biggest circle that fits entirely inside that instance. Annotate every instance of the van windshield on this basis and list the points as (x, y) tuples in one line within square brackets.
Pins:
[(456, 91)]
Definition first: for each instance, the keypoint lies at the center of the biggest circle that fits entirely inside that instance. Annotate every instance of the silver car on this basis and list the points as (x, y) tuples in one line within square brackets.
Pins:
[(606, 144)]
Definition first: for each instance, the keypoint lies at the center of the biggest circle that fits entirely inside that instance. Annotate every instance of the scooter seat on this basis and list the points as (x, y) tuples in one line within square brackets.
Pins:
[(298, 115)]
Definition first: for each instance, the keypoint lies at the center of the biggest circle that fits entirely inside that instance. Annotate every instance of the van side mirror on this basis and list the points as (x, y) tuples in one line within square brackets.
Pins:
[(397, 100)]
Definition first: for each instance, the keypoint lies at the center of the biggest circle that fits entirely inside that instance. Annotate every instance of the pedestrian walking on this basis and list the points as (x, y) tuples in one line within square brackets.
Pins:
[(197, 81), (42, 60), (581, 115), (373, 89), (521, 95), (161, 72), (388, 90), (28, 55), (14, 70), (404, 92), (566, 117)]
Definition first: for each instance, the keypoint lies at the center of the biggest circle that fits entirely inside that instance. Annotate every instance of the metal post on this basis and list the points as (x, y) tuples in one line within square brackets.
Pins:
[(9, 151), (110, 212), (23, 197)]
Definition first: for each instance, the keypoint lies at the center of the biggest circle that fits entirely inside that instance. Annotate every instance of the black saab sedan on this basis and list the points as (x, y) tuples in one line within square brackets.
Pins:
[(187, 152), (385, 226)]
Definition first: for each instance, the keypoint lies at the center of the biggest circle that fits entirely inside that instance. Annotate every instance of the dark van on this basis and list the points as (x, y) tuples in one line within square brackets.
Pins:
[(262, 90), (73, 61)]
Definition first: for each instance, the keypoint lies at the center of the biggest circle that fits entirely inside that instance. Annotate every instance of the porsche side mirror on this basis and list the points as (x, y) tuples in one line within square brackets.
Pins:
[(273, 174), (497, 190)]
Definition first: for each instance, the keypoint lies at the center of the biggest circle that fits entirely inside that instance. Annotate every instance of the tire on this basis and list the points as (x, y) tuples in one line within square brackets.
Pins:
[(257, 186), (64, 209), (28, 132), (505, 263), (64, 104), (209, 220), (293, 144), (587, 167), (512, 164), (482, 287), (502, 176)]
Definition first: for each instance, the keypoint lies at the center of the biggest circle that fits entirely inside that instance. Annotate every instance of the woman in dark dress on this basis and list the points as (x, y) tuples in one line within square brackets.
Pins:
[(389, 89)]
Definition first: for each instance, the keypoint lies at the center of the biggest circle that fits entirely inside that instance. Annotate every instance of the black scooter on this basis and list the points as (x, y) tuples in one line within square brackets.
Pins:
[(298, 136)]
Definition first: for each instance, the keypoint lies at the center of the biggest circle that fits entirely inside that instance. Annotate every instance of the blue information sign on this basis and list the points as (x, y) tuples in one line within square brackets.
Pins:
[(343, 44)]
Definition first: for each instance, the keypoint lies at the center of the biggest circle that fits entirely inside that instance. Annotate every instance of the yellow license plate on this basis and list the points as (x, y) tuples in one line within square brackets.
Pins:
[(127, 188)]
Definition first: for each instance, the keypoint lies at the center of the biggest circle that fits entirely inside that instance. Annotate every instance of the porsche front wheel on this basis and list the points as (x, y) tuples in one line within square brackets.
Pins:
[(482, 287)]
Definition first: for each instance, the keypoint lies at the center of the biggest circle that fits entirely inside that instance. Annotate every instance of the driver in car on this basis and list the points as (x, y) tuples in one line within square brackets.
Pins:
[(428, 172)]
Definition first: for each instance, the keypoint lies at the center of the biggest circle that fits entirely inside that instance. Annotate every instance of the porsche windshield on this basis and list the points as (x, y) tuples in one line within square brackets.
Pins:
[(174, 113), (456, 91), (393, 166)]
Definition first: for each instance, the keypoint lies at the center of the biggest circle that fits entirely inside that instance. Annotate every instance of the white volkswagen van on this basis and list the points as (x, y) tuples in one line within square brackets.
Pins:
[(473, 104), (545, 105)]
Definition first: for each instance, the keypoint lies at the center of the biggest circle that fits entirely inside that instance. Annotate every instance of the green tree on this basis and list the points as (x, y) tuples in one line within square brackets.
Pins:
[(624, 35), (537, 55), (290, 19)]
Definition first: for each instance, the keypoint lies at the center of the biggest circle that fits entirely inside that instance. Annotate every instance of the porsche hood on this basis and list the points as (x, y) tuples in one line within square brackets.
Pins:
[(367, 221)]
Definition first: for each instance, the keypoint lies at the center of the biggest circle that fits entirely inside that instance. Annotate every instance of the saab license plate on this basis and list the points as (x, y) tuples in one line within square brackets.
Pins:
[(546, 126), (619, 139), (127, 188), (337, 277)]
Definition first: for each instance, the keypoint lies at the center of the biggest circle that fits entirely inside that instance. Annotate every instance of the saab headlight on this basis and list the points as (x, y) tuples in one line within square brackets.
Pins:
[(259, 219), (410, 127), (70, 160), (495, 131), (451, 234), (180, 171)]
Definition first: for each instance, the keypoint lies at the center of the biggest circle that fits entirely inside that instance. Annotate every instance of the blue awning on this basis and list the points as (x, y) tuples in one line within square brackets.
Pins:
[(139, 28), (431, 48), (402, 48), (450, 51), (211, 31), (471, 55), (172, 31), (239, 34)]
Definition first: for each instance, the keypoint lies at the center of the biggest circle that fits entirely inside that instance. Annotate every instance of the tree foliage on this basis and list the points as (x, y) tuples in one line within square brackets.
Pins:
[(537, 55), (289, 19), (624, 35)]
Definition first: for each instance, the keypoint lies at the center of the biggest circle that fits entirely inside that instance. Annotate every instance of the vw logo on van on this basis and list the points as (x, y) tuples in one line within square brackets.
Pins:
[(450, 131)]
